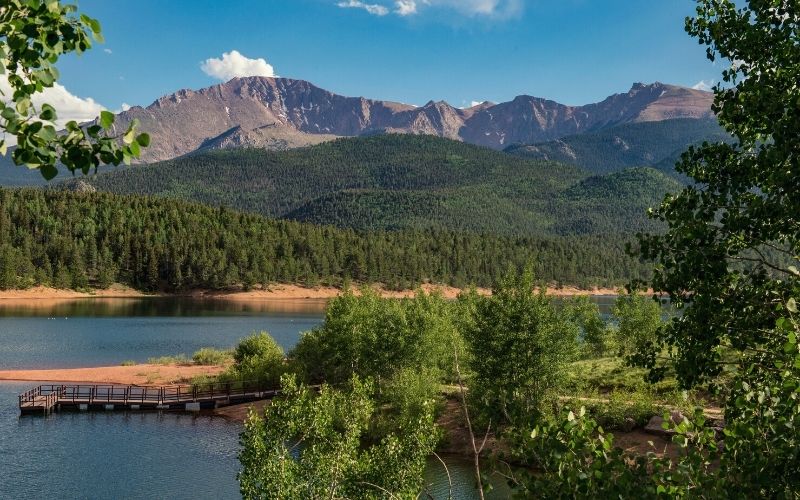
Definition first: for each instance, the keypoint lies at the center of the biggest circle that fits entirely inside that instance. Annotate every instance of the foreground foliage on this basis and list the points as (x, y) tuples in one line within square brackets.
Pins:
[(34, 34), (318, 446)]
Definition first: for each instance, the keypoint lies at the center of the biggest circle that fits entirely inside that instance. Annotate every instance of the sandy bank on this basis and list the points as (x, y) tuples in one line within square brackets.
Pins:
[(274, 292), (42, 292), (127, 375)]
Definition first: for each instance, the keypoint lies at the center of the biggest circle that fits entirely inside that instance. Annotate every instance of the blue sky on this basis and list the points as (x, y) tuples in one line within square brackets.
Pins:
[(571, 51)]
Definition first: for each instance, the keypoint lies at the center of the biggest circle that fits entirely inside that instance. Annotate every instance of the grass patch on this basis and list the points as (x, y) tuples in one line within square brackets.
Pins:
[(208, 356), (128, 363), (623, 410), (180, 359), (605, 375)]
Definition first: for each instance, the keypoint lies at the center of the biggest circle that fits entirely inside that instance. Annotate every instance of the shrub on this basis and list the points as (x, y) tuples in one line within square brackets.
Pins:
[(375, 337), (259, 358), (257, 345), (639, 318), (520, 345), (208, 356), (596, 336)]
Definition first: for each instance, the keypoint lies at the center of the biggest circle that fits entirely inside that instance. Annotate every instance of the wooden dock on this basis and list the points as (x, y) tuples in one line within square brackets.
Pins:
[(46, 399)]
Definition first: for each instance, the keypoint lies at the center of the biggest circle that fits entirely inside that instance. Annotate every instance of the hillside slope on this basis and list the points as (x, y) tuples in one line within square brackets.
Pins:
[(398, 182), (628, 145), (74, 240)]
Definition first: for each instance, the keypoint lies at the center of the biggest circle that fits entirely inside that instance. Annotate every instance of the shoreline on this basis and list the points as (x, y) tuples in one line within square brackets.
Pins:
[(275, 292), (139, 375)]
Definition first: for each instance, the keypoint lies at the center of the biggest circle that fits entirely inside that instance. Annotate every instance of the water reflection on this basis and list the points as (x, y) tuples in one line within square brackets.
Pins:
[(155, 306)]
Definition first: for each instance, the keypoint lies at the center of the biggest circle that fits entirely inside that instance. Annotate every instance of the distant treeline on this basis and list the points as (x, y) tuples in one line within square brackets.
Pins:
[(74, 240)]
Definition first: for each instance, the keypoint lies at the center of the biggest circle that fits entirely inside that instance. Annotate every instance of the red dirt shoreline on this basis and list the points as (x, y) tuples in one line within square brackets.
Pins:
[(274, 292), (144, 374)]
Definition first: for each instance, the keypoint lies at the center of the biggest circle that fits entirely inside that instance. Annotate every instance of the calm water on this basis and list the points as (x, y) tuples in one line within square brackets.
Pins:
[(107, 332), (105, 455), (139, 455)]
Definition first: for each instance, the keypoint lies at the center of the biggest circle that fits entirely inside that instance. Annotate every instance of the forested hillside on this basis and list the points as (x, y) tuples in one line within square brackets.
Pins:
[(392, 182), (629, 145), (72, 240)]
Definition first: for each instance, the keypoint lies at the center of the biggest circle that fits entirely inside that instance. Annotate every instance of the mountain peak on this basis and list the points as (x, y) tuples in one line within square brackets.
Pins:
[(278, 113)]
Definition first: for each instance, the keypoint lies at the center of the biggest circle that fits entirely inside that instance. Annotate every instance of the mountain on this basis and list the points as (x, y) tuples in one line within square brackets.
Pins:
[(656, 144), (400, 181), (282, 113)]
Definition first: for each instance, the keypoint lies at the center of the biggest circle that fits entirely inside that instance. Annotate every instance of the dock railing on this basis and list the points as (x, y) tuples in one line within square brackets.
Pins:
[(47, 395)]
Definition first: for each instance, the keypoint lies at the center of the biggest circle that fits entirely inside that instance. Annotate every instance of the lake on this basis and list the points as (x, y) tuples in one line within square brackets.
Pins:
[(140, 455), (106, 332)]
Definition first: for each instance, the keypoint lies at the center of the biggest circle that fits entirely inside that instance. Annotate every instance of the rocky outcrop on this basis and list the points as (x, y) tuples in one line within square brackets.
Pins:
[(279, 113)]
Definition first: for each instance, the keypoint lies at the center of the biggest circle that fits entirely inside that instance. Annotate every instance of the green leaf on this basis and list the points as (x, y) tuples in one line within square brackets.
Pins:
[(106, 119), (48, 113), (48, 171), (48, 134), (23, 105), (143, 140), (791, 305)]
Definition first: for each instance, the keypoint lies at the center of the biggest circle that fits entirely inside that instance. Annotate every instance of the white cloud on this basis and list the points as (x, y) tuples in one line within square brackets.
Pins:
[(405, 7), (472, 8), (475, 103), (375, 9), (705, 85), (491, 8), (68, 106), (233, 64), (108, 51), (125, 106)]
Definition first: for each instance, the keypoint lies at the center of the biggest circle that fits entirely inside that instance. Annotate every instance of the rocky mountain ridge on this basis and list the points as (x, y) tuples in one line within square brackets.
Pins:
[(282, 113)]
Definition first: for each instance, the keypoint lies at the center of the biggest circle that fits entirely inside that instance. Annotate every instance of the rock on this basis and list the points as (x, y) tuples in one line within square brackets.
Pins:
[(81, 186), (628, 424), (676, 416), (655, 426)]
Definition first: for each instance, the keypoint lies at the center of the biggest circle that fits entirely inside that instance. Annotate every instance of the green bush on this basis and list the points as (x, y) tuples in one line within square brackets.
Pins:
[(339, 458), (520, 347), (639, 318), (208, 356), (597, 338), (258, 358), (375, 337), (128, 363), (257, 345)]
